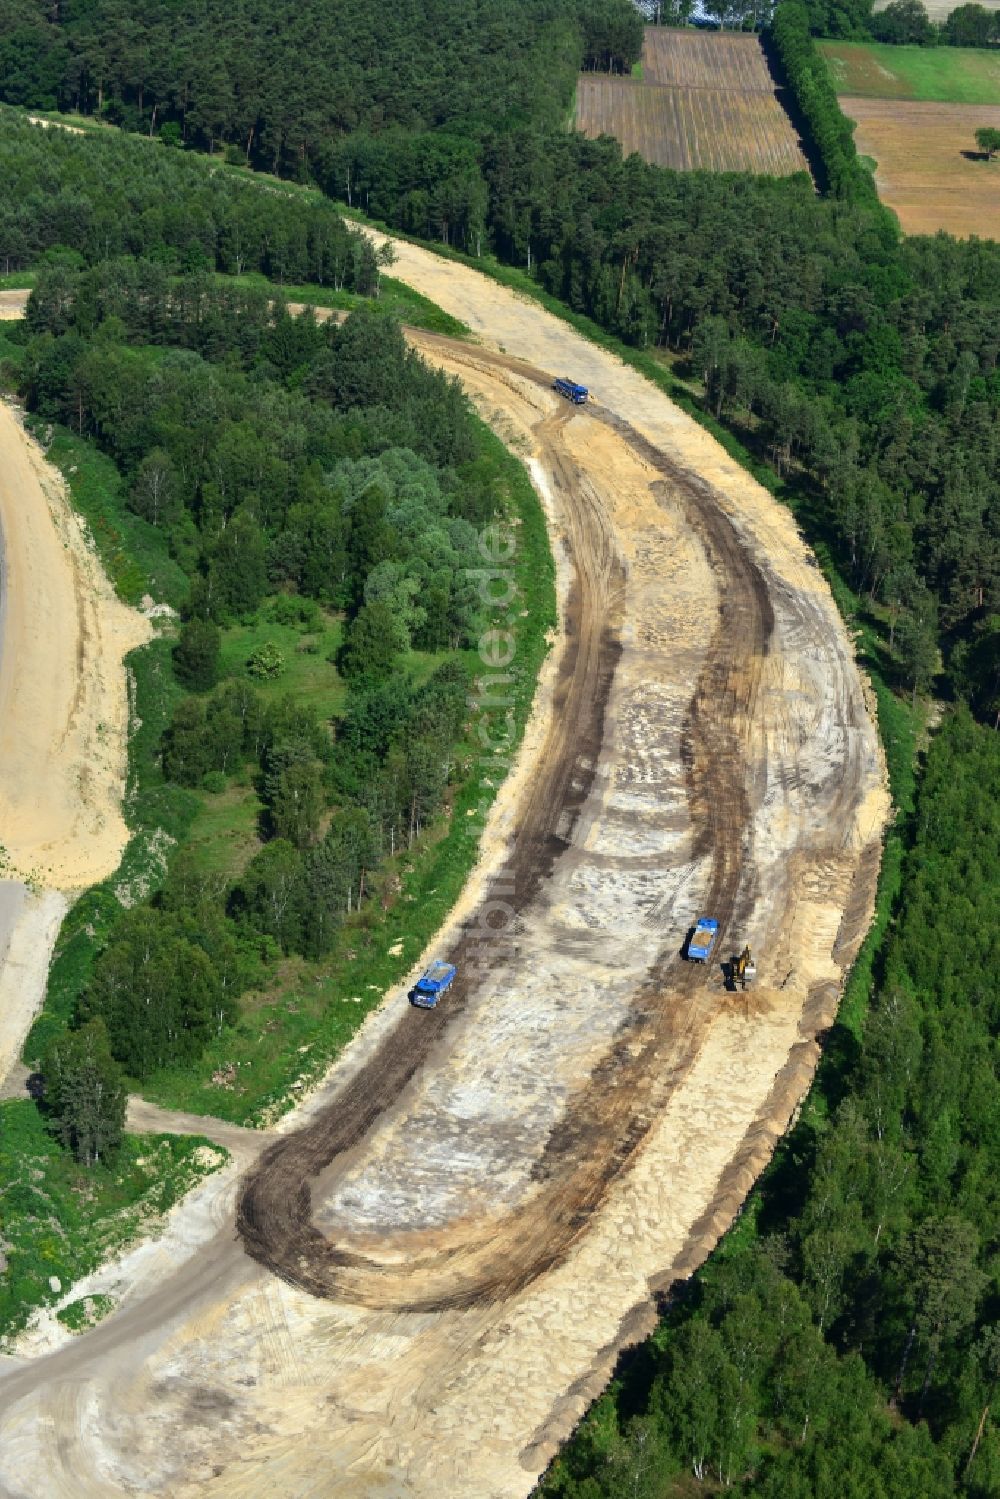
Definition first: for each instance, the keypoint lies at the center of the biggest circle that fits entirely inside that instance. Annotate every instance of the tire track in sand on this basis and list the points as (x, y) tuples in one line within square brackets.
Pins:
[(491, 1259)]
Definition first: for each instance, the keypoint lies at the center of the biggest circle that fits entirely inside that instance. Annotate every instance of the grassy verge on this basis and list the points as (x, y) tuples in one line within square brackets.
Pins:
[(59, 1220), (395, 299), (292, 1029), (134, 554), (159, 815), (11, 357)]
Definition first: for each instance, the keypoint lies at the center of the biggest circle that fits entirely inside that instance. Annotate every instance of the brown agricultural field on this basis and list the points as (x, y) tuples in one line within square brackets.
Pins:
[(929, 171), (705, 100), (705, 59)]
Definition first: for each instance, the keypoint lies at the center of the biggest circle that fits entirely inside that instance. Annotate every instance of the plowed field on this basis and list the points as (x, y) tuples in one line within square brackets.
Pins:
[(704, 101), (705, 59)]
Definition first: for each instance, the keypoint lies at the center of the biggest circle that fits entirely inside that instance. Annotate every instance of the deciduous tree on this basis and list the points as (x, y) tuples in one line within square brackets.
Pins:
[(85, 1093)]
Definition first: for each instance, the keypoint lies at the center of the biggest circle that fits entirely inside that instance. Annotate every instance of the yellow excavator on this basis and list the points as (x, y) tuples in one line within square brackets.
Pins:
[(744, 969)]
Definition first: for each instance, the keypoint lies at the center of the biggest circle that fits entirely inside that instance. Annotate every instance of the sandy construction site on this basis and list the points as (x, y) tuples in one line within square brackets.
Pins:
[(423, 1279)]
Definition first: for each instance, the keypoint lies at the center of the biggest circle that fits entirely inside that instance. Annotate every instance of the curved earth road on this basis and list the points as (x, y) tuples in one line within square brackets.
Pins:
[(452, 1240)]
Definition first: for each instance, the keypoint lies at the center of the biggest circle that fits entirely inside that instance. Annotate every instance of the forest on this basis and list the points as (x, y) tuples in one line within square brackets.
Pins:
[(97, 197), (274, 80)]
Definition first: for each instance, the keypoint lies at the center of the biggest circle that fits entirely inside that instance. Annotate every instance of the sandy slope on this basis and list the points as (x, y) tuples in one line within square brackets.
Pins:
[(29, 925), (63, 699), (589, 1081), (63, 720)]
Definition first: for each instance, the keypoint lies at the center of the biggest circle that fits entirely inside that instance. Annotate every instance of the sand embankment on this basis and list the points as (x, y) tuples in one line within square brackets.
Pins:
[(63, 698), (29, 925), (63, 721)]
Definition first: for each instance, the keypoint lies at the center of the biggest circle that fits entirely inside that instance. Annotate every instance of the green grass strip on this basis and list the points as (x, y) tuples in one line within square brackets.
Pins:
[(60, 1220), (395, 299)]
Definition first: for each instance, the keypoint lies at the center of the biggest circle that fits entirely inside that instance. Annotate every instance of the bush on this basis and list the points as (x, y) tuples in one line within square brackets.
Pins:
[(266, 662), (295, 612)]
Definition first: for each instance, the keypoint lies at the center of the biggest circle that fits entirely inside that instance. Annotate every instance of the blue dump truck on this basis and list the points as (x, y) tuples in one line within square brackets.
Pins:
[(435, 982), (702, 940), (572, 392)]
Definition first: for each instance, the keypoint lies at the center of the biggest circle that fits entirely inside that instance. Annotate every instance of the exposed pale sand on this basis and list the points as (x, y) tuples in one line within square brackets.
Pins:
[(29, 926), (63, 697), (56, 125), (221, 1380), (12, 304)]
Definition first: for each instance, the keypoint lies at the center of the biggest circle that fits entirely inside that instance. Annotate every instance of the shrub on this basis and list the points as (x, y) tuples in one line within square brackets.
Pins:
[(266, 661)]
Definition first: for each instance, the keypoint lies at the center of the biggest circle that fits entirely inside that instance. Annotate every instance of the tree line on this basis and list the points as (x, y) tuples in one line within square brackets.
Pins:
[(107, 195), (828, 135), (850, 1346), (905, 22)]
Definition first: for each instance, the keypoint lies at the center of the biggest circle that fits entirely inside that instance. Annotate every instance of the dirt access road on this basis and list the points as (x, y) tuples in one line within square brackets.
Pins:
[(473, 1214)]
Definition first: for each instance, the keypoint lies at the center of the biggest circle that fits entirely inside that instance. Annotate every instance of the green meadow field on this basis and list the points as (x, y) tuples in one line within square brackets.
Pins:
[(938, 75)]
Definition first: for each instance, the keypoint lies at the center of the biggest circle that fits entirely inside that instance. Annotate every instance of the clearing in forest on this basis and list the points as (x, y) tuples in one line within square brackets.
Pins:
[(929, 171), (705, 100), (940, 75)]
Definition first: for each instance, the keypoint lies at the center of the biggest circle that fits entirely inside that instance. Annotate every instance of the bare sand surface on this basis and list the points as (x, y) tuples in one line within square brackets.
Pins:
[(56, 125), (486, 1228), (63, 696), (29, 926), (12, 304)]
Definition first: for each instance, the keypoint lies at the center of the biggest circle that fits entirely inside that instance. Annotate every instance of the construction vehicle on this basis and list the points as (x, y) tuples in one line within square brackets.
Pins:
[(573, 392), (702, 939), (744, 969), (429, 989)]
